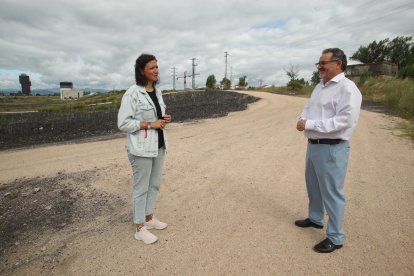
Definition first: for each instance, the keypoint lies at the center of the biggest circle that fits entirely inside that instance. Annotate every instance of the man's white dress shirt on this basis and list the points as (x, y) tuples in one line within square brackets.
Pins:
[(333, 109)]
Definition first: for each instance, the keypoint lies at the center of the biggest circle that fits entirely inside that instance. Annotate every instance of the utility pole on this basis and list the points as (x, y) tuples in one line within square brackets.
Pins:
[(173, 71), (193, 74), (231, 76), (225, 70), (185, 79)]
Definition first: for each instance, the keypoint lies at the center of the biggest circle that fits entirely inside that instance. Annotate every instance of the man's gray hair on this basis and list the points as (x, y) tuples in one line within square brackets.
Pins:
[(337, 54)]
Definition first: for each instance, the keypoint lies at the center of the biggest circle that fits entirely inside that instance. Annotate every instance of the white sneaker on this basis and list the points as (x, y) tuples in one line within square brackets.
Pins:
[(155, 224), (146, 236)]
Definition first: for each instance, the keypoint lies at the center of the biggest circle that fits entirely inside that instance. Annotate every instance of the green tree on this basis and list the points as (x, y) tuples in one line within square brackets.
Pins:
[(293, 74), (296, 84), (374, 52), (316, 78), (400, 51), (211, 82), (225, 84), (242, 81)]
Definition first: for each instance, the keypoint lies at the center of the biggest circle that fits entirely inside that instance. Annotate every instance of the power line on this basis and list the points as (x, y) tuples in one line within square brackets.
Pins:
[(358, 22)]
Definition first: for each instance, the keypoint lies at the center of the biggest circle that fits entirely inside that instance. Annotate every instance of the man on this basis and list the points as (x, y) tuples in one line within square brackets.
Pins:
[(328, 121)]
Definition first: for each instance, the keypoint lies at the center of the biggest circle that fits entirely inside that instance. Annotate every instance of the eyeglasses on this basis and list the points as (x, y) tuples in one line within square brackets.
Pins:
[(322, 63)]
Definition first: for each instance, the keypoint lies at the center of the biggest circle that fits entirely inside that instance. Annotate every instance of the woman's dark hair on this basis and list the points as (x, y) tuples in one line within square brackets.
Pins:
[(337, 54), (140, 63)]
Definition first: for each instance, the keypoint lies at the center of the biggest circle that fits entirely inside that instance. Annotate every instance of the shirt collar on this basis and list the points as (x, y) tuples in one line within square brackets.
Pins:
[(142, 90), (336, 79)]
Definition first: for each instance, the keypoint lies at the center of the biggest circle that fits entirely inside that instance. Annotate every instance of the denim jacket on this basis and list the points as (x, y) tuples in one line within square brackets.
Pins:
[(137, 106)]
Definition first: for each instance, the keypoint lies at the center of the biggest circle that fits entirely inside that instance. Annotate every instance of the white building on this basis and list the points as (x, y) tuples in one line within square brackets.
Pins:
[(68, 93)]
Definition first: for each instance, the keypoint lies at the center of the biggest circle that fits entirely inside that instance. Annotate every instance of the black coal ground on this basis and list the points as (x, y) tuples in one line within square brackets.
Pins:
[(34, 210), (30, 129)]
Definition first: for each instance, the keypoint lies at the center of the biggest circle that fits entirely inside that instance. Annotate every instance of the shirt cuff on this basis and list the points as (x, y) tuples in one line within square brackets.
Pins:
[(310, 124)]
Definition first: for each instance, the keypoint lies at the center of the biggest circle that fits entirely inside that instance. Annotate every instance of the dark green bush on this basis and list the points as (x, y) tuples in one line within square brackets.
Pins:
[(406, 72), (364, 77)]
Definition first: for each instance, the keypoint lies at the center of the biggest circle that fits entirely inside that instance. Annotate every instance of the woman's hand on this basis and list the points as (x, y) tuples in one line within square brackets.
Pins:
[(167, 119), (158, 124), (162, 123)]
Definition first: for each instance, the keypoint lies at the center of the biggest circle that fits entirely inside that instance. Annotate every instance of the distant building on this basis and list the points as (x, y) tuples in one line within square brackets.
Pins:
[(68, 93), (355, 71), (25, 82)]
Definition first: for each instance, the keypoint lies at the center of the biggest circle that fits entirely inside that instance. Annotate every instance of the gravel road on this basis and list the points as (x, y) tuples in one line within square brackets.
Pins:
[(231, 190)]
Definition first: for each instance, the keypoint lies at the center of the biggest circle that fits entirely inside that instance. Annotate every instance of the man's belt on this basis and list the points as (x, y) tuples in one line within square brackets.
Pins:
[(325, 141)]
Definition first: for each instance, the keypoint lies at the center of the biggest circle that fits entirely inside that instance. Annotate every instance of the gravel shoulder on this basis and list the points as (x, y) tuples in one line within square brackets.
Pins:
[(231, 189)]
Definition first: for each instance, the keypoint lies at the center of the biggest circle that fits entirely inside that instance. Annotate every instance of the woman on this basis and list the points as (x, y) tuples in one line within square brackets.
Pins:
[(142, 116)]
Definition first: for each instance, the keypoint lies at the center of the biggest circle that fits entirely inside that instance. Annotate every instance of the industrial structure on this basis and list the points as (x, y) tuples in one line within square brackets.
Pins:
[(68, 93), (25, 82), (355, 71)]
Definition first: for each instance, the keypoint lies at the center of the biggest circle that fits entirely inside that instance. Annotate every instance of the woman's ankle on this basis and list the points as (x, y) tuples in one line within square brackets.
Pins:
[(139, 226), (148, 217)]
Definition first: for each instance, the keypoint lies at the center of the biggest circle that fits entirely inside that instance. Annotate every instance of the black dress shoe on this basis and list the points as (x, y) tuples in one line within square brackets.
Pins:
[(326, 246), (307, 223)]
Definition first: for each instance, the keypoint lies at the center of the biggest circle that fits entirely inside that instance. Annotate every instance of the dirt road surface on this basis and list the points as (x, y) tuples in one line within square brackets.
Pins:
[(231, 190)]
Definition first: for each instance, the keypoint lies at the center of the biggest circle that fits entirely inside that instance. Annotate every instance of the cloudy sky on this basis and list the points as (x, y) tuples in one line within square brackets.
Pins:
[(95, 43)]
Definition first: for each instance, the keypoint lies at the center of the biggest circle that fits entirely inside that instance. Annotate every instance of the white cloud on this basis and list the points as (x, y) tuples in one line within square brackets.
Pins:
[(95, 44)]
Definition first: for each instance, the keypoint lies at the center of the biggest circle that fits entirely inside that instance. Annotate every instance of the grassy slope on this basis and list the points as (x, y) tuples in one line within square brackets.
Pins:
[(396, 94)]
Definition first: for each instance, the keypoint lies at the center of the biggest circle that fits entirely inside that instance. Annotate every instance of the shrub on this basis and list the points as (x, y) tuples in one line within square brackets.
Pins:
[(406, 72), (364, 77)]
